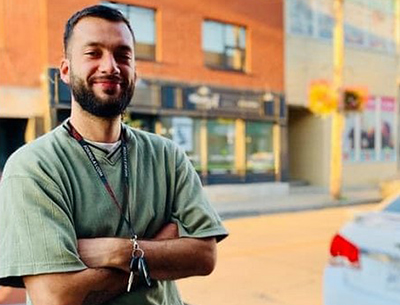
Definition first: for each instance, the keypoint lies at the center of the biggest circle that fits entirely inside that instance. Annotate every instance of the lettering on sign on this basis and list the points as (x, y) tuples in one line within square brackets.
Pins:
[(208, 102), (248, 104)]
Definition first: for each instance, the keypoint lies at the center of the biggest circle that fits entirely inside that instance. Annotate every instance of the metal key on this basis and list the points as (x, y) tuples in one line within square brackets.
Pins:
[(130, 281), (133, 266)]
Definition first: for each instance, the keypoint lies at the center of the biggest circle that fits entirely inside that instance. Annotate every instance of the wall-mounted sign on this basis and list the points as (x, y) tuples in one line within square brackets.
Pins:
[(204, 102), (222, 101)]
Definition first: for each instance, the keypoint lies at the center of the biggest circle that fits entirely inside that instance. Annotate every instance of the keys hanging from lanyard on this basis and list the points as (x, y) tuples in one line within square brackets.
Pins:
[(138, 266)]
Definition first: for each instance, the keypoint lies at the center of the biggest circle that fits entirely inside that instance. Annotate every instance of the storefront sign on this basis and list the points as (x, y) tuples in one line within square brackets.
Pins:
[(248, 104), (223, 101), (205, 101)]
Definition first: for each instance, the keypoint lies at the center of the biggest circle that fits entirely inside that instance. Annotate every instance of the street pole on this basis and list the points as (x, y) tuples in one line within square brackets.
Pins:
[(397, 41), (337, 116)]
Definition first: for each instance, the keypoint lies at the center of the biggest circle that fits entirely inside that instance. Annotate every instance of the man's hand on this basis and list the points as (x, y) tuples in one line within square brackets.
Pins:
[(103, 251), (168, 256)]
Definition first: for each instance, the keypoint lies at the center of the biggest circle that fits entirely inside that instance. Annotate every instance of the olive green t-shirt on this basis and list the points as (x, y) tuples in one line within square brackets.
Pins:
[(51, 195)]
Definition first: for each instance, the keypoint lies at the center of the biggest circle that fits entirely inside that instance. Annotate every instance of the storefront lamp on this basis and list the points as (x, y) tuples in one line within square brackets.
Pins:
[(268, 97), (203, 91)]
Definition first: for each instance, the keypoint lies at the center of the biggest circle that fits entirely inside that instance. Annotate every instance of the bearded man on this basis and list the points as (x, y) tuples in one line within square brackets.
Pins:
[(95, 212)]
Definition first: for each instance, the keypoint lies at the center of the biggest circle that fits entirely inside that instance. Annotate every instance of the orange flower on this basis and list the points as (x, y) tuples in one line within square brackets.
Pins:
[(322, 99)]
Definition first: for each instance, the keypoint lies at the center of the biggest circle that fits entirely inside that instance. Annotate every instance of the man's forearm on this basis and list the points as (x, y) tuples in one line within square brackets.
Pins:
[(167, 259), (90, 286), (179, 258)]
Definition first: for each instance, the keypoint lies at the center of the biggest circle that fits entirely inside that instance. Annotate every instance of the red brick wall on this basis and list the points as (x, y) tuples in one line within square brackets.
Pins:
[(179, 37), (20, 51)]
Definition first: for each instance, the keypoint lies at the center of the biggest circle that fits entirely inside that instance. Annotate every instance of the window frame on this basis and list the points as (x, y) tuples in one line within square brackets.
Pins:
[(125, 9), (227, 47)]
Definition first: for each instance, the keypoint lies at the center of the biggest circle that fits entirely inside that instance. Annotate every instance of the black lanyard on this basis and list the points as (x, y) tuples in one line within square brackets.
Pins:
[(125, 171)]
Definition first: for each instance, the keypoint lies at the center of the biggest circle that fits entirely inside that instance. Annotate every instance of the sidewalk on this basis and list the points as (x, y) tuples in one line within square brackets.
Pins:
[(249, 200)]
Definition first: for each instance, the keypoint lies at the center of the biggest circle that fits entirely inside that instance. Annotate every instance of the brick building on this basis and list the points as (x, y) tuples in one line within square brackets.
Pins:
[(210, 77)]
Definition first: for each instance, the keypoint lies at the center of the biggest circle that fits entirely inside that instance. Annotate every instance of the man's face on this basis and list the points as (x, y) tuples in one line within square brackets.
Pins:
[(100, 66)]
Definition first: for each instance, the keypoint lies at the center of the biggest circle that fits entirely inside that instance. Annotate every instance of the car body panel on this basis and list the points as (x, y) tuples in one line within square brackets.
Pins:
[(376, 278)]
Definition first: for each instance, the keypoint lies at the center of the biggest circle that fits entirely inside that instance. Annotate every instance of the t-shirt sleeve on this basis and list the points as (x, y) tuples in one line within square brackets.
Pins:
[(191, 209), (37, 234)]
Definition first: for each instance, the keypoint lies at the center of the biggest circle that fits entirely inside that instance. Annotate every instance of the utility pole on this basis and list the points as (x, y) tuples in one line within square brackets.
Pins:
[(337, 116), (397, 41)]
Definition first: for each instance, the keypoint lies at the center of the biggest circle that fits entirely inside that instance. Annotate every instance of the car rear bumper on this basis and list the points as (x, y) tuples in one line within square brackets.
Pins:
[(337, 292)]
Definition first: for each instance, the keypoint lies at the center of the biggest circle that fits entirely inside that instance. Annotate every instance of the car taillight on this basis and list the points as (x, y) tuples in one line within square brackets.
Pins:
[(344, 253)]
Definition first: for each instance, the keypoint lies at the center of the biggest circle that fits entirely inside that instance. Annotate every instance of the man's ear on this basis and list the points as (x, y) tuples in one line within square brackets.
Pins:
[(65, 70)]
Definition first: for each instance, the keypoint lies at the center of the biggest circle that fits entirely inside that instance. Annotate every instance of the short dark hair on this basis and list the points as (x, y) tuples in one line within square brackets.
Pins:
[(99, 11)]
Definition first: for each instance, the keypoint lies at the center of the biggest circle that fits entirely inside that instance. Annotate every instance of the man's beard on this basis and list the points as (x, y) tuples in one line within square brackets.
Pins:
[(104, 108)]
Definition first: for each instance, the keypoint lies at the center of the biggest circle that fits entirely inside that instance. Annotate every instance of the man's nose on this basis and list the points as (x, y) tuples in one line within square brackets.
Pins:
[(109, 65)]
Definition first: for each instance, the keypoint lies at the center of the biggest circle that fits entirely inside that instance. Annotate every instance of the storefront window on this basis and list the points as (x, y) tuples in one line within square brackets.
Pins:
[(259, 147), (221, 146), (185, 132), (140, 121), (12, 136)]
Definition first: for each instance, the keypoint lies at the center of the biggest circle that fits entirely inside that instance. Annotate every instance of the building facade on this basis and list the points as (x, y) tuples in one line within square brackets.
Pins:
[(210, 77), (370, 137)]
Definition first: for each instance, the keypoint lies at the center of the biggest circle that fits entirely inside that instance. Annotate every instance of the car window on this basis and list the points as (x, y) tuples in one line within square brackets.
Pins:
[(393, 207)]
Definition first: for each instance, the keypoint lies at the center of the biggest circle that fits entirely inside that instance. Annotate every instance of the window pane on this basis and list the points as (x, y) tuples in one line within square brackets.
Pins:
[(142, 22), (235, 36), (184, 131), (234, 59), (242, 38), (214, 59), (121, 7), (231, 35), (221, 146), (259, 149), (213, 34)]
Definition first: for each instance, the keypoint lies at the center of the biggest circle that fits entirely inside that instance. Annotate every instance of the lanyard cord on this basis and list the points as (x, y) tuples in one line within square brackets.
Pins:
[(125, 171)]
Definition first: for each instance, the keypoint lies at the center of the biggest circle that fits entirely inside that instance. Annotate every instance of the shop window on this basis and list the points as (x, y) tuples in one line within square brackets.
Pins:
[(259, 147), (140, 121), (224, 45), (12, 136), (369, 136), (221, 146), (143, 24), (184, 132), (168, 97)]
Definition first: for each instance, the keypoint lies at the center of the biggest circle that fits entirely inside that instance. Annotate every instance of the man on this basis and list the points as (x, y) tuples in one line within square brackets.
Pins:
[(95, 209)]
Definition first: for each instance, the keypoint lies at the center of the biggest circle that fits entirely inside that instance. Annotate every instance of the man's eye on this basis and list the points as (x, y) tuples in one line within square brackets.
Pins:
[(124, 56), (92, 53)]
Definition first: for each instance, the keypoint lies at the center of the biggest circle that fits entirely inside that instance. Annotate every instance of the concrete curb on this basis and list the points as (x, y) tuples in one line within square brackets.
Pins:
[(226, 215)]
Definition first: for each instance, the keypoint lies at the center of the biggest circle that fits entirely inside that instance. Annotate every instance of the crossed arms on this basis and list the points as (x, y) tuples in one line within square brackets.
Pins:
[(168, 256)]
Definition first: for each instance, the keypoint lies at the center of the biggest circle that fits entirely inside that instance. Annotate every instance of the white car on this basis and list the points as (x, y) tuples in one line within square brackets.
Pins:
[(364, 268)]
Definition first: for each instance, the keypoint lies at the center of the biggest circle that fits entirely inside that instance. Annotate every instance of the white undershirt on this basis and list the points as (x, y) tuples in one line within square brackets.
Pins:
[(109, 147)]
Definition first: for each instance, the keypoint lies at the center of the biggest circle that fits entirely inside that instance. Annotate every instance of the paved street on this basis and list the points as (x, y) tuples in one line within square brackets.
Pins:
[(272, 259)]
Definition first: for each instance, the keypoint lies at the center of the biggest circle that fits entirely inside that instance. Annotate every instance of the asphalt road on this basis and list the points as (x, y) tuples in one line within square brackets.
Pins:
[(272, 259)]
